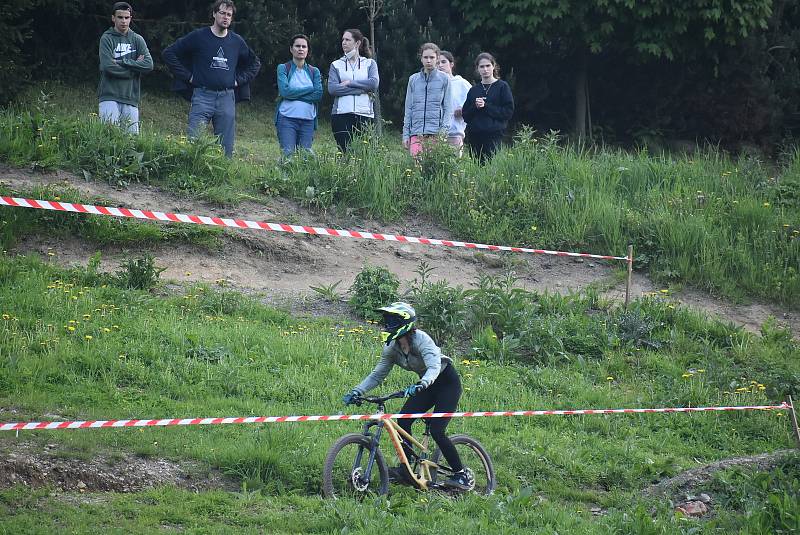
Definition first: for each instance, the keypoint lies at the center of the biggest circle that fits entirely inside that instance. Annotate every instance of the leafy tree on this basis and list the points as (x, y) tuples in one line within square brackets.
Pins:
[(15, 28), (645, 29)]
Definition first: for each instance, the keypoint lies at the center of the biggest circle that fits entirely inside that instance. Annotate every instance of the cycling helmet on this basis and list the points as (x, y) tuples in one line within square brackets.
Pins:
[(398, 319)]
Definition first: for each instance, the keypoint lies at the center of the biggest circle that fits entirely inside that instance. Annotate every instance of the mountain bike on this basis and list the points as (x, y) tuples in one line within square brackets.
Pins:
[(355, 466)]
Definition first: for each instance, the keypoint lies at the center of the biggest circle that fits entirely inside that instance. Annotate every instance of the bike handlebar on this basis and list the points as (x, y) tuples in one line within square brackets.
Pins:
[(379, 400)]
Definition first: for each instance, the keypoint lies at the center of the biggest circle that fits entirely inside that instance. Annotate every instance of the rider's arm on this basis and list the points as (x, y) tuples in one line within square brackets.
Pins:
[(378, 374), (431, 355)]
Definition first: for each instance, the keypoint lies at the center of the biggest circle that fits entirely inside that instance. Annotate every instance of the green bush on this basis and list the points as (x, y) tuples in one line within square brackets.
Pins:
[(440, 307), (373, 287), (139, 273)]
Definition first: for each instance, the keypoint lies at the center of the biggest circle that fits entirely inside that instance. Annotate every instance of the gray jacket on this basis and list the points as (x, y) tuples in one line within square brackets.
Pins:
[(429, 106), (425, 358)]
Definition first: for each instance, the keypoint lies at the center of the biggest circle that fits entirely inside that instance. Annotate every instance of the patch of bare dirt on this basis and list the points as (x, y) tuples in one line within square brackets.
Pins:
[(37, 466), (685, 483), (281, 267)]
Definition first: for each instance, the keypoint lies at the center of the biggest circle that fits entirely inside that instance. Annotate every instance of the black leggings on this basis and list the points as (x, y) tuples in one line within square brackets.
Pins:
[(443, 396), (484, 144), (344, 126)]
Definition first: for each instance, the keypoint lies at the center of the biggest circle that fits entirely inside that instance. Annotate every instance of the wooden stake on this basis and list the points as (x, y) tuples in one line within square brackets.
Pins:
[(630, 277), (793, 416)]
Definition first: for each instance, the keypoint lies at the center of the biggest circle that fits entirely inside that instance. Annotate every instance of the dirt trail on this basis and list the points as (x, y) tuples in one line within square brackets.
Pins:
[(282, 267)]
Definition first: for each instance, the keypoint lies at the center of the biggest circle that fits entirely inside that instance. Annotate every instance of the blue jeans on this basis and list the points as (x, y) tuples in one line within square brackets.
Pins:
[(294, 133), (219, 107)]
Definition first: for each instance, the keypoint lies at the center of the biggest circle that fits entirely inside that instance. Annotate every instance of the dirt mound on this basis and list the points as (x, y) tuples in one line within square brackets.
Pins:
[(686, 482), (281, 267), (29, 466)]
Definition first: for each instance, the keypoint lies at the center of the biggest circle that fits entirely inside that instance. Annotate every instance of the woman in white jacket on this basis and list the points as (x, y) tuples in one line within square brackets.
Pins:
[(459, 88), (352, 80)]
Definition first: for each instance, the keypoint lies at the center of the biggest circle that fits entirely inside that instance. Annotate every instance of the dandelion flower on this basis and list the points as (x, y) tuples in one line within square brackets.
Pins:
[(88, 337), (609, 378)]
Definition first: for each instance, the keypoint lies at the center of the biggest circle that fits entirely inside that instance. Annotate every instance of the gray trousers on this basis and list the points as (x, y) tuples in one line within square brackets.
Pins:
[(125, 115), (219, 107)]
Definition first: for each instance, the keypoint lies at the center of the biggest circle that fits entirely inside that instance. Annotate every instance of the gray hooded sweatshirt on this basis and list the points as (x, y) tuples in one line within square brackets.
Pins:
[(424, 357), (120, 70), (429, 106)]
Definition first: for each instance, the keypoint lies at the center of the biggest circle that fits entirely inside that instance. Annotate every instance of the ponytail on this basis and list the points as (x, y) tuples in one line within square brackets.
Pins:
[(363, 50)]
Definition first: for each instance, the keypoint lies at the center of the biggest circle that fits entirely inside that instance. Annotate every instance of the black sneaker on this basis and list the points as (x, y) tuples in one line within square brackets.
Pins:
[(399, 474), (461, 480)]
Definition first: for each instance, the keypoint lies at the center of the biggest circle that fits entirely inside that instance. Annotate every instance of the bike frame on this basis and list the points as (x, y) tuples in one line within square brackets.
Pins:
[(396, 436)]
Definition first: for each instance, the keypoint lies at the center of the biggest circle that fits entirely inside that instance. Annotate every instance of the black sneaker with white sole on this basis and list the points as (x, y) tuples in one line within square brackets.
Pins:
[(461, 480)]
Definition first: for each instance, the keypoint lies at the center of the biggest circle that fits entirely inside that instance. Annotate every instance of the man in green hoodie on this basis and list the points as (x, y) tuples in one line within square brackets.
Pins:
[(123, 58)]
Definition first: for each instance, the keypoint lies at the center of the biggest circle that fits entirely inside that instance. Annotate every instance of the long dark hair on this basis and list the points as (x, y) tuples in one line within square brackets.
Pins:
[(364, 49), (486, 55)]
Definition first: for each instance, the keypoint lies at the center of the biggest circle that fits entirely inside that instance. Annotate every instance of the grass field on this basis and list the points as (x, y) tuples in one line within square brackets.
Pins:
[(78, 344)]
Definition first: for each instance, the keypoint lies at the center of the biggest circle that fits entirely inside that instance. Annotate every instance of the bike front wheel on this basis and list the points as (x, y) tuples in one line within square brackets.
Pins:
[(476, 462), (344, 474)]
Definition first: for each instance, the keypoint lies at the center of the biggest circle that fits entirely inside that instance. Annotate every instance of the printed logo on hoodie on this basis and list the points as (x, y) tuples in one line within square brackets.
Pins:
[(124, 49)]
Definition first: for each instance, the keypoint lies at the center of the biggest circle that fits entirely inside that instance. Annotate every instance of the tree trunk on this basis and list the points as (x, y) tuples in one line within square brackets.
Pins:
[(378, 116), (581, 99)]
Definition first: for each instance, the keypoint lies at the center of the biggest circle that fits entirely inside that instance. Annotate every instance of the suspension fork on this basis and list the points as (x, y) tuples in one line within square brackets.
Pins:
[(374, 444)]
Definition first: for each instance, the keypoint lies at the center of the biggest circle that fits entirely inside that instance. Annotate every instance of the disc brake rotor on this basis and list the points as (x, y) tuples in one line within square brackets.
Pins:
[(358, 483)]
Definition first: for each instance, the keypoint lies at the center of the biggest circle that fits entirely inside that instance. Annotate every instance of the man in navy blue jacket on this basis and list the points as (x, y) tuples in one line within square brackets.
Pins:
[(214, 67)]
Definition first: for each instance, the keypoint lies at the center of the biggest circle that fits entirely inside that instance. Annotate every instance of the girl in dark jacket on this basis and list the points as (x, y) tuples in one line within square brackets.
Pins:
[(488, 108)]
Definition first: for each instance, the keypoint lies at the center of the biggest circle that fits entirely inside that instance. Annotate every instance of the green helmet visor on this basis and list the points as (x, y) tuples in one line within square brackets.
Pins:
[(387, 335), (395, 326)]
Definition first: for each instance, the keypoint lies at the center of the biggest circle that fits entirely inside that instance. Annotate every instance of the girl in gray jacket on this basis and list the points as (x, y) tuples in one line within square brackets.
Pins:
[(429, 107)]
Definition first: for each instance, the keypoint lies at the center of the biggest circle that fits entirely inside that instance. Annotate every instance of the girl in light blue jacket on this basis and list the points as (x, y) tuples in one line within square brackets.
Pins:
[(429, 107)]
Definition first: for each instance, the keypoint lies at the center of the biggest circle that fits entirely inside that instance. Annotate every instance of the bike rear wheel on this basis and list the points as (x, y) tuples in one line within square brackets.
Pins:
[(475, 460), (346, 465)]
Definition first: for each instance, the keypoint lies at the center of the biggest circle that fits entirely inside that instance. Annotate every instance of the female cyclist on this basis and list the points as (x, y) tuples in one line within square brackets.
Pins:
[(439, 385)]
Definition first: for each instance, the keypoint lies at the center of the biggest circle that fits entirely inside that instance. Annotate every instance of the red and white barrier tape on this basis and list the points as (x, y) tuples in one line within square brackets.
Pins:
[(92, 424), (277, 227)]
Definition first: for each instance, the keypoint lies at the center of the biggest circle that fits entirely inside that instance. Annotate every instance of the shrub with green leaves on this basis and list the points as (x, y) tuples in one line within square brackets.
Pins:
[(139, 273), (373, 287), (439, 306)]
